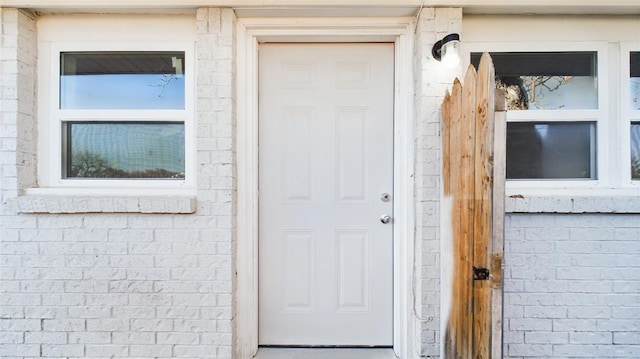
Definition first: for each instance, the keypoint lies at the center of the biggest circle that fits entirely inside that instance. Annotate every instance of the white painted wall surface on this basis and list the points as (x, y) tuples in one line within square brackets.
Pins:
[(111, 283), (430, 270), (126, 283), (572, 285)]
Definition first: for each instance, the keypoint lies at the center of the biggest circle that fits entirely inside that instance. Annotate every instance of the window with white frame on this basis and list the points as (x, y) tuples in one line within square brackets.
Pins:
[(579, 134), (553, 113), (118, 112), (138, 145)]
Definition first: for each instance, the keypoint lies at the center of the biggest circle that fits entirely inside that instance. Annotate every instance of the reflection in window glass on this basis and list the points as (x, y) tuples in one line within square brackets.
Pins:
[(551, 150), (122, 80), (635, 150), (123, 150), (634, 73), (546, 80)]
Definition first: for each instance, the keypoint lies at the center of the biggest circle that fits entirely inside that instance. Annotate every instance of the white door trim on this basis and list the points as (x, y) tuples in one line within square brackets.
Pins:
[(251, 32)]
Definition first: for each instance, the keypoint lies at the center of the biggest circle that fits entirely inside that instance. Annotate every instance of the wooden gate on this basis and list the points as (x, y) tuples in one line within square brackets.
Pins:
[(473, 157)]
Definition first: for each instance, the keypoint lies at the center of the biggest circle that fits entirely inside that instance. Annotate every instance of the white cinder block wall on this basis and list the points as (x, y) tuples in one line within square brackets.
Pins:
[(17, 102), (118, 284), (572, 285), (115, 284), (432, 80)]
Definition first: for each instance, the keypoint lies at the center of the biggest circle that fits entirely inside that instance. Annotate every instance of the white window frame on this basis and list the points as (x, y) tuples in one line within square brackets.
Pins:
[(627, 114), (51, 117), (601, 115)]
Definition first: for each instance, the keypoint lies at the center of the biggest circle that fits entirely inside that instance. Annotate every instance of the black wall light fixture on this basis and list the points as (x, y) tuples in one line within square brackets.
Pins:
[(447, 50)]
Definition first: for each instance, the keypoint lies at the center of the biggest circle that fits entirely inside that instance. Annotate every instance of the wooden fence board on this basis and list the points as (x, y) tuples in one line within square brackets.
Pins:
[(465, 198), (483, 206), (469, 184), (445, 133), (454, 338)]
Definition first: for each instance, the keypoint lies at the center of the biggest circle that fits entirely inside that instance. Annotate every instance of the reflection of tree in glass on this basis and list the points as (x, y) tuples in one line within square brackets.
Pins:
[(163, 82), (543, 81), (85, 164), (515, 92), (523, 91), (550, 83), (635, 150), (635, 168)]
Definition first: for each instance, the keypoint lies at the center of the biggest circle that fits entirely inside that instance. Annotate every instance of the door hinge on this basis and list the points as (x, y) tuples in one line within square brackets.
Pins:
[(480, 273)]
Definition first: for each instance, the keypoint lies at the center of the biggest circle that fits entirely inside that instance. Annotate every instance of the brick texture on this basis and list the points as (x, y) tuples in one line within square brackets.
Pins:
[(118, 276), (154, 277), (99, 204), (572, 285), (17, 102), (432, 80)]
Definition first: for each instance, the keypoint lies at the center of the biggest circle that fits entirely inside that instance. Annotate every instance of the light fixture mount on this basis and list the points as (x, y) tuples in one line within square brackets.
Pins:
[(436, 51)]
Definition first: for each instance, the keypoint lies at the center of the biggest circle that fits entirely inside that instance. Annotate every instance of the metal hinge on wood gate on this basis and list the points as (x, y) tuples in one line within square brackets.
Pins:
[(480, 273)]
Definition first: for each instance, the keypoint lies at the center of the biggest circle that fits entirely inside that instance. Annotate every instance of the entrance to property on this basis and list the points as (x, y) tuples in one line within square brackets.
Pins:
[(325, 237)]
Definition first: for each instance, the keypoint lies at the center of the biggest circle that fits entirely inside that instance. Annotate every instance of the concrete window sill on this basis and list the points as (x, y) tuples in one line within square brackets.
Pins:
[(176, 204), (572, 204)]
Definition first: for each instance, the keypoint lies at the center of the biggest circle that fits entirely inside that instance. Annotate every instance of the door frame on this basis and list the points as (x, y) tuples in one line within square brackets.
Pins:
[(250, 33)]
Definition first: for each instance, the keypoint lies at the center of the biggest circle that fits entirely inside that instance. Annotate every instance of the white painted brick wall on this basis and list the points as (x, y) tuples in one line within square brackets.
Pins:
[(572, 285), (431, 82), (130, 284), (80, 284), (17, 102)]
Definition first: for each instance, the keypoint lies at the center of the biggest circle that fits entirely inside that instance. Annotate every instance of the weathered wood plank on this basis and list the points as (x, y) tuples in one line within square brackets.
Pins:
[(447, 228), (471, 217), (455, 116), (445, 130), (465, 199), (483, 206)]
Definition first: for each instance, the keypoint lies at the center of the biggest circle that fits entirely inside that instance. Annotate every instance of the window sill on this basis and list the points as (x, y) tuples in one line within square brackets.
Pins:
[(569, 204), (63, 203)]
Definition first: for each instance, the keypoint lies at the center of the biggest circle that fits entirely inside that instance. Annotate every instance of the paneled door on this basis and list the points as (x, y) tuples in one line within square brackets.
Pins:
[(326, 185)]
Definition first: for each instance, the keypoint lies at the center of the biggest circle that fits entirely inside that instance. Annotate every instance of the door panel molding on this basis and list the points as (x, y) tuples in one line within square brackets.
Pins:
[(251, 32)]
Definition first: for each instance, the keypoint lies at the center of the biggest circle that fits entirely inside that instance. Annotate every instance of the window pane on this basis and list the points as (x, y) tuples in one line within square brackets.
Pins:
[(546, 80), (635, 80), (551, 150), (635, 150), (122, 80), (123, 150)]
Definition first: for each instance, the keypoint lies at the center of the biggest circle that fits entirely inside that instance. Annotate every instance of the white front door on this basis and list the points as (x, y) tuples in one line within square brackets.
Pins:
[(325, 165)]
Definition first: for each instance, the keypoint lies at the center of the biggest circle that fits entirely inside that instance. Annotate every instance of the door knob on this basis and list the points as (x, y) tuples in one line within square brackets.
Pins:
[(385, 218)]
